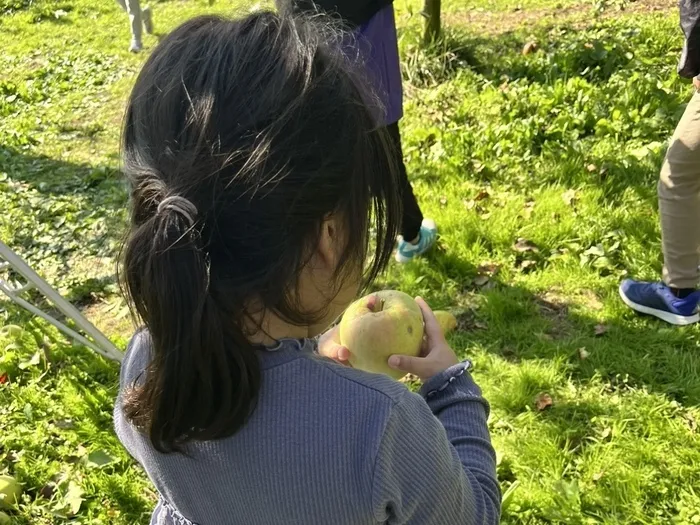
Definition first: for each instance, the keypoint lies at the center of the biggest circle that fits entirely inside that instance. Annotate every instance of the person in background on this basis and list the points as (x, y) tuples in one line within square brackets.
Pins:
[(137, 17), (375, 41), (675, 299), (262, 202)]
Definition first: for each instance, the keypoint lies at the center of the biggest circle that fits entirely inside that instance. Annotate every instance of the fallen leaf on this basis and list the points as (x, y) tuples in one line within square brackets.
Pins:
[(591, 167), (530, 47), (409, 378), (481, 280), (98, 459), (600, 329), (469, 204), (48, 490), (489, 268), (4, 378), (597, 476), (483, 194), (607, 432), (35, 360), (443, 201), (543, 401), (65, 424), (524, 245), (583, 353), (569, 197), (74, 498), (527, 265)]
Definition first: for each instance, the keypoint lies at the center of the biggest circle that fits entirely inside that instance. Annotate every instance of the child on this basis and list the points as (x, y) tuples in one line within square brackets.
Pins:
[(375, 41), (257, 175), (137, 16)]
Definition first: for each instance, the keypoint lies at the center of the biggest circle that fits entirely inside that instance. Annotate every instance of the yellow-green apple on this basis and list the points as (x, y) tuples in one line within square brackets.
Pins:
[(446, 320), (10, 491), (380, 325)]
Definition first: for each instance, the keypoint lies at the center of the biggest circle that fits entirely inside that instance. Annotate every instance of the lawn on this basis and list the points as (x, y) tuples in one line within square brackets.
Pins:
[(540, 169)]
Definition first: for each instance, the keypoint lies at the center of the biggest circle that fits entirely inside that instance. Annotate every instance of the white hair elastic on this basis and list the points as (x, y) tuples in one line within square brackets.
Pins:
[(179, 205)]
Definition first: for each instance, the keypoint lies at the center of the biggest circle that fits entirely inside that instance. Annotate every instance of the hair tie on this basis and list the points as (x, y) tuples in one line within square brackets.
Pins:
[(179, 205)]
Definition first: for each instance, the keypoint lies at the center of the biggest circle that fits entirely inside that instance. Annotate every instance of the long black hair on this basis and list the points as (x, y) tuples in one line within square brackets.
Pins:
[(241, 137)]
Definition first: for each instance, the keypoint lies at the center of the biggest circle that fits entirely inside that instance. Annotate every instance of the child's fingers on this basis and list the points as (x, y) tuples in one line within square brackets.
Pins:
[(408, 364), (432, 327), (343, 354)]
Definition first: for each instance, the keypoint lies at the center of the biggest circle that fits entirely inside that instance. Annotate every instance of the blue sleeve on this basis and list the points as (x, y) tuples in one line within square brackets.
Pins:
[(435, 464)]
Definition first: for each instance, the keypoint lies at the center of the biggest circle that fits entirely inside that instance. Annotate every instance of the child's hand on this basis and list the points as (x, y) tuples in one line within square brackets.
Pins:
[(329, 346), (436, 354)]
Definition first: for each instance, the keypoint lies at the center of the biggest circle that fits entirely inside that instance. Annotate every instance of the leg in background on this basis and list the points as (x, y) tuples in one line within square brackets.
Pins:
[(412, 215), (679, 201), (133, 9), (675, 300), (417, 234)]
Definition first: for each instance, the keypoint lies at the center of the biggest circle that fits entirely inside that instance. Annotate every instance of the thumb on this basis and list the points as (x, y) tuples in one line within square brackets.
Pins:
[(408, 364)]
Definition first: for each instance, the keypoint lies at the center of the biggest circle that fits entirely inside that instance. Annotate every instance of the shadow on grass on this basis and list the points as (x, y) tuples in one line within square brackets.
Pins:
[(52, 176), (566, 52), (632, 352)]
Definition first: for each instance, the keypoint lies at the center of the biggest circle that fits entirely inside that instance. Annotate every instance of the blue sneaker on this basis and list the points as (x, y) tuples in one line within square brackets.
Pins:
[(426, 238), (658, 300)]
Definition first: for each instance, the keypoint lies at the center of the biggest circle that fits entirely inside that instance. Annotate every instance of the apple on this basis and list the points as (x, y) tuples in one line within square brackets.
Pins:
[(380, 325), (446, 320), (10, 491)]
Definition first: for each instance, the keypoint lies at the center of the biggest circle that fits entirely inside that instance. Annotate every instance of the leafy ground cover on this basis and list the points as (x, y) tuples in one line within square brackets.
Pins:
[(534, 133)]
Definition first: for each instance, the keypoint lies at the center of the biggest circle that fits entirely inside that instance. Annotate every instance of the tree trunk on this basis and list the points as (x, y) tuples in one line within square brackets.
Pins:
[(431, 12)]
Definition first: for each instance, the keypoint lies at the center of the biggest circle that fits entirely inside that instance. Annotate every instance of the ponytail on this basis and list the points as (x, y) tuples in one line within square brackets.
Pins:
[(204, 377)]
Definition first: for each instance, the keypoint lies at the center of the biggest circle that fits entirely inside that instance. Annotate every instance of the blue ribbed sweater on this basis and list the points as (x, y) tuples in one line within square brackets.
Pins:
[(330, 445)]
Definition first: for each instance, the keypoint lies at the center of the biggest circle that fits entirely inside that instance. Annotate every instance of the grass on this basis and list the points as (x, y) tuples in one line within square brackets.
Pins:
[(594, 410)]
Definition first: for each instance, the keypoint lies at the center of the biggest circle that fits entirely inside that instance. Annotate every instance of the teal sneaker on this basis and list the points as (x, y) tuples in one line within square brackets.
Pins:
[(426, 238)]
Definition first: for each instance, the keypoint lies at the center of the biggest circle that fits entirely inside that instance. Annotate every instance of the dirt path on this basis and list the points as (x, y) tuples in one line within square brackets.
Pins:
[(499, 22)]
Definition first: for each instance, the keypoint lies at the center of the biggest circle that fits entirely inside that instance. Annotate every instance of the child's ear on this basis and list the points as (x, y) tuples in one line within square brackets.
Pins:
[(329, 245)]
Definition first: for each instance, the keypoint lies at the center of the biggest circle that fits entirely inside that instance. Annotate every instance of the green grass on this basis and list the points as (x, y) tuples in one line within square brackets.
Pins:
[(560, 147)]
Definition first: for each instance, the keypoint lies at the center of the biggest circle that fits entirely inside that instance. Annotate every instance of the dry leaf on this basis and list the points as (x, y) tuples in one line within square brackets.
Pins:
[(48, 490), (489, 268), (443, 201), (530, 47), (528, 265), (483, 194), (591, 167), (600, 329), (583, 353), (409, 378), (469, 204), (597, 476), (543, 401), (524, 245), (569, 197)]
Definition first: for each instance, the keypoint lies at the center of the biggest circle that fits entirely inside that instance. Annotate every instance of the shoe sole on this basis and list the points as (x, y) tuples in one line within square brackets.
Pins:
[(674, 319)]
